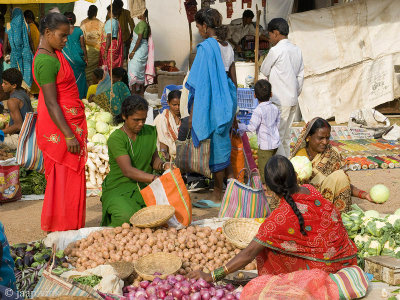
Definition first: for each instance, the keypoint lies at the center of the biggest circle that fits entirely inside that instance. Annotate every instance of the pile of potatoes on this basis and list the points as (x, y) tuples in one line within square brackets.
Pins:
[(198, 247)]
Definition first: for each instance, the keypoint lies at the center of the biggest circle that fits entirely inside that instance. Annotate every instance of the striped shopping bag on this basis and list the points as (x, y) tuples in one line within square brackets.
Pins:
[(169, 189), (28, 153), (193, 159), (245, 200)]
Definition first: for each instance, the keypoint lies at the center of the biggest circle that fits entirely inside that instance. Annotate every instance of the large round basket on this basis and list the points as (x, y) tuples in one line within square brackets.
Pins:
[(160, 262), (123, 269), (152, 216), (240, 232)]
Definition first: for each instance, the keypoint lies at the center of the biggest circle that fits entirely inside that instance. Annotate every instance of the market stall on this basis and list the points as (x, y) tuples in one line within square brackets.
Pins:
[(131, 261)]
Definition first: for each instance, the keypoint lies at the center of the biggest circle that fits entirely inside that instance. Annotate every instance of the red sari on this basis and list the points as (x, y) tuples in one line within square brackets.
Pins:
[(64, 205), (326, 246), (116, 48)]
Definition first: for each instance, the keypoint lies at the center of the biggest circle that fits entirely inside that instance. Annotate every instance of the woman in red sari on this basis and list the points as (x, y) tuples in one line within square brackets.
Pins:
[(304, 232), (111, 41), (61, 130)]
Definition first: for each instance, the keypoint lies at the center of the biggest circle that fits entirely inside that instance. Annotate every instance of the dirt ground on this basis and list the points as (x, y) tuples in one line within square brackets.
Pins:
[(21, 219)]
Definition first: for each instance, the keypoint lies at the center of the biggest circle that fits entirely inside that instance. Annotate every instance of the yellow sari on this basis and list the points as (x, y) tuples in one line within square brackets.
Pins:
[(92, 31), (328, 175)]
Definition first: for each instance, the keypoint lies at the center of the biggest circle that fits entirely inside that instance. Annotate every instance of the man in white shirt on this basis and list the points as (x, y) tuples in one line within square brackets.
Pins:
[(284, 68), (239, 28)]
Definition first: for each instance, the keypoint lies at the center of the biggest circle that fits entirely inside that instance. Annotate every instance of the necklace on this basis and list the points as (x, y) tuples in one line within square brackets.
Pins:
[(130, 142), (309, 155), (46, 50)]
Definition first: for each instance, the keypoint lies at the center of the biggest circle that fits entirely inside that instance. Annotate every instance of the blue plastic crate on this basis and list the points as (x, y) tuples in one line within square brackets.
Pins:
[(246, 99), (164, 96), (244, 116)]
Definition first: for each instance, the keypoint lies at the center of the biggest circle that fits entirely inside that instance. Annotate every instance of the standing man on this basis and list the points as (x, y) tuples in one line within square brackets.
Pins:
[(285, 70), (127, 25)]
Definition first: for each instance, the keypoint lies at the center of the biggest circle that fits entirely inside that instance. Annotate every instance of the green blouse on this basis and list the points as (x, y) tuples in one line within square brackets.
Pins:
[(143, 29), (141, 155), (46, 68)]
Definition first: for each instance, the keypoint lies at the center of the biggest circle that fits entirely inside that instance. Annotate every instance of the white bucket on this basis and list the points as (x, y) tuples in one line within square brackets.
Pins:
[(244, 69)]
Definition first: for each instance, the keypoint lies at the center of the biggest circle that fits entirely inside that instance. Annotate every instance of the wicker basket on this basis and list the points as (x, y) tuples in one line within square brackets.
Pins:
[(160, 262), (152, 216), (240, 232), (123, 268)]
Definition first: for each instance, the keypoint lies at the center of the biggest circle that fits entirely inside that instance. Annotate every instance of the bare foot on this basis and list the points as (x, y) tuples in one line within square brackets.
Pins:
[(216, 195)]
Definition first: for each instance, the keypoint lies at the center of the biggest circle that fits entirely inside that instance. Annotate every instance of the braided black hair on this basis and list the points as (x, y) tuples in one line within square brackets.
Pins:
[(131, 105), (280, 177)]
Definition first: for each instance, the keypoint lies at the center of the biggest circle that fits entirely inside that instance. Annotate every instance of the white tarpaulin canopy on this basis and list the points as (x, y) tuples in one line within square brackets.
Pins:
[(349, 52)]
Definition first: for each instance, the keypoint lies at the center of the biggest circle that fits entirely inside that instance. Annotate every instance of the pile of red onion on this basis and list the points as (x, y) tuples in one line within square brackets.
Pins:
[(179, 288)]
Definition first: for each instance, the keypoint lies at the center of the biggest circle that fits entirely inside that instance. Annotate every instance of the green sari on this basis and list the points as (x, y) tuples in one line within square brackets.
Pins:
[(103, 91), (121, 196)]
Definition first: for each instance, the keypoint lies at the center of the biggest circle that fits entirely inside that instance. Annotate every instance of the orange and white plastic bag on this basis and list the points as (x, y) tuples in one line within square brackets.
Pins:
[(169, 189)]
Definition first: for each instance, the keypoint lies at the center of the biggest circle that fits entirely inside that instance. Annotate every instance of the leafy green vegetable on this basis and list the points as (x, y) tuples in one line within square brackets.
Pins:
[(60, 253), (361, 240), (376, 227), (373, 248), (91, 280), (388, 247), (394, 220), (32, 182)]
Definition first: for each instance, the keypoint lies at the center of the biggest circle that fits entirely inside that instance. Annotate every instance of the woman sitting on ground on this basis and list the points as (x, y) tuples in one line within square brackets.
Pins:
[(167, 125), (97, 76), (328, 176), (304, 232), (18, 104), (132, 150), (119, 93), (290, 238)]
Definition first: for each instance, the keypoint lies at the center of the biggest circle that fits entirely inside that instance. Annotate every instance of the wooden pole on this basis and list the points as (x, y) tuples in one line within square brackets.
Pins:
[(191, 37), (257, 45)]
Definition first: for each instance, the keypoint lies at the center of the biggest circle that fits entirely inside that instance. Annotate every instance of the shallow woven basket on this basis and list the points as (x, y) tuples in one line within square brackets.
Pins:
[(240, 232), (160, 262), (123, 268), (152, 216)]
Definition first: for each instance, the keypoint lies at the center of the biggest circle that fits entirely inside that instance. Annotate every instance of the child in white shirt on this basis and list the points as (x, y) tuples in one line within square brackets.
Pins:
[(265, 122)]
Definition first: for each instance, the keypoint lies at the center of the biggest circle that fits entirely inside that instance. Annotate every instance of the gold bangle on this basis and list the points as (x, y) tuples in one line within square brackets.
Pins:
[(212, 276), (226, 270), (69, 138)]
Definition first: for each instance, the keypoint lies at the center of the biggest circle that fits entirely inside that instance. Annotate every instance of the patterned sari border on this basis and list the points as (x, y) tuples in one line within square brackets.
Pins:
[(303, 256)]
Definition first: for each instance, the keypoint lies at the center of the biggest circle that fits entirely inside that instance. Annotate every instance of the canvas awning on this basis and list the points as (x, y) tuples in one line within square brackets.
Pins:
[(38, 1)]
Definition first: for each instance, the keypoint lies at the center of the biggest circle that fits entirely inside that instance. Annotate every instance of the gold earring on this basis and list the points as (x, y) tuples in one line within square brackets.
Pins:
[(307, 140)]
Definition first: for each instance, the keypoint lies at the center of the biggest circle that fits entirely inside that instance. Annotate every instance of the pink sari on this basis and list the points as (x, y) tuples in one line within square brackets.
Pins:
[(312, 284), (116, 49)]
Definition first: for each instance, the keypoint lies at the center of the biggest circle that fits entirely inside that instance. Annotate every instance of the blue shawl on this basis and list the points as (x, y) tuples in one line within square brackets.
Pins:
[(21, 55), (213, 96)]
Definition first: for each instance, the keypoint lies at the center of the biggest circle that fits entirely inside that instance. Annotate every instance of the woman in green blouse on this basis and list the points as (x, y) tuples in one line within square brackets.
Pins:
[(61, 129), (119, 94), (138, 54), (133, 156)]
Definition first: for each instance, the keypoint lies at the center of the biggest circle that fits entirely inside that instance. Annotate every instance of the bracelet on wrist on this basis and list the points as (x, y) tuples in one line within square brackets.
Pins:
[(70, 138), (360, 194), (218, 274)]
